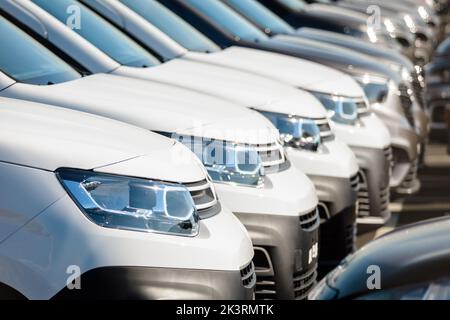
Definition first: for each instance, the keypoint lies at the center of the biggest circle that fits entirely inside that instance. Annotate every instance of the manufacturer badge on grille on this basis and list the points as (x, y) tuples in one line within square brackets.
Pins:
[(313, 253)]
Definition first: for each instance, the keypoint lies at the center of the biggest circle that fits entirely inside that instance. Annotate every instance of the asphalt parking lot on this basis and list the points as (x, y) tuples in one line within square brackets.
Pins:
[(432, 201)]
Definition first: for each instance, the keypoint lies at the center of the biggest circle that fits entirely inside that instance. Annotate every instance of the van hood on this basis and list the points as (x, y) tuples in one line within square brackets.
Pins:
[(341, 15), (153, 106), (357, 44), (238, 87), (296, 72), (345, 60), (48, 138)]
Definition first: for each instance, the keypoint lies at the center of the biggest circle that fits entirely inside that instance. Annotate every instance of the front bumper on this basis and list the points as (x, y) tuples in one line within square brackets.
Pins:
[(422, 122), (373, 194), (141, 283), (337, 240), (336, 188), (406, 146), (406, 161), (284, 259), (337, 209), (337, 194), (273, 216)]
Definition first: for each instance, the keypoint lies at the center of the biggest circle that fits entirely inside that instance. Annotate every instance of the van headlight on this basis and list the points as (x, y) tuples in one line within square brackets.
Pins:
[(132, 204), (296, 132), (227, 162), (341, 110), (375, 88)]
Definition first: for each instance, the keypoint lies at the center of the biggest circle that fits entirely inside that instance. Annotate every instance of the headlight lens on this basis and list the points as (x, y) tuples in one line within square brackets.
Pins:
[(226, 161), (296, 132), (132, 204), (342, 110), (375, 88)]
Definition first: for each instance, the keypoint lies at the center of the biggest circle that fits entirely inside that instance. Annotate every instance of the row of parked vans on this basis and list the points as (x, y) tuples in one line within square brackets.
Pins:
[(202, 149)]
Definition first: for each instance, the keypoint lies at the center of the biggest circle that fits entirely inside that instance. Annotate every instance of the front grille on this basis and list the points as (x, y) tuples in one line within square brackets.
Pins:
[(204, 197), (363, 195), (364, 207), (406, 102), (336, 245), (350, 238), (265, 288), (303, 283), (337, 240), (326, 134), (354, 182), (309, 221), (248, 276), (385, 196), (411, 177)]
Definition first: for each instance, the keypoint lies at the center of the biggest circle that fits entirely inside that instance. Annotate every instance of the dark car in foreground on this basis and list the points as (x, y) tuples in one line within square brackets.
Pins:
[(411, 263)]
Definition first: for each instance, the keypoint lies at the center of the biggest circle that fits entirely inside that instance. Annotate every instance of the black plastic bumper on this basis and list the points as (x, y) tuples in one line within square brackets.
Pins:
[(373, 195), (337, 240), (284, 268), (337, 194), (141, 283)]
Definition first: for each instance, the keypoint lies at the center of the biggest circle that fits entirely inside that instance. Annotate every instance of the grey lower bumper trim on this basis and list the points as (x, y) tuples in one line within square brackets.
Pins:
[(289, 249), (142, 283), (336, 193), (375, 168)]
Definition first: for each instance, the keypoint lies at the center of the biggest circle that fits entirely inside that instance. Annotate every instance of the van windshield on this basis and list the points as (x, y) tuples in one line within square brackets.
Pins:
[(26, 60), (172, 25), (228, 20), (260, 15), (99, 32)]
